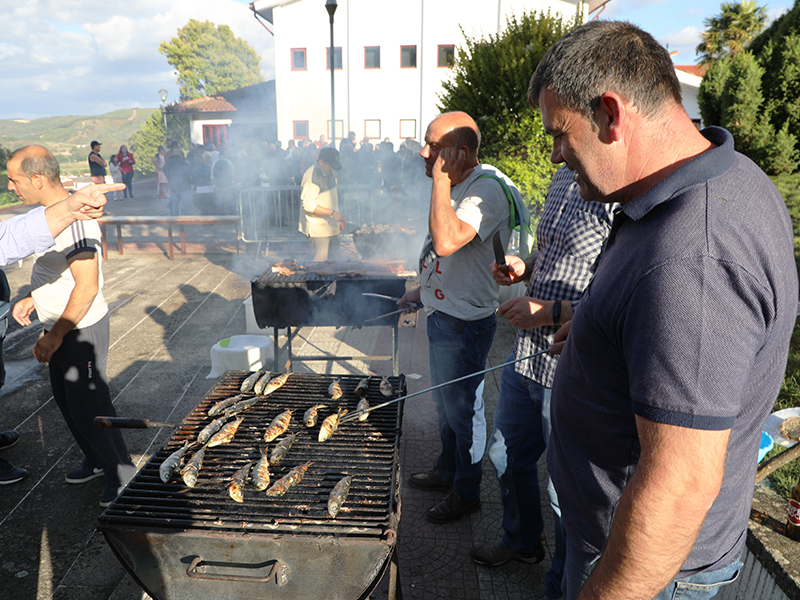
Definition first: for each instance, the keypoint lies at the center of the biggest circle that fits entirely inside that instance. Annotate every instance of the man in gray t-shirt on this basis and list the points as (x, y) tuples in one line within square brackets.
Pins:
[(468, 206)]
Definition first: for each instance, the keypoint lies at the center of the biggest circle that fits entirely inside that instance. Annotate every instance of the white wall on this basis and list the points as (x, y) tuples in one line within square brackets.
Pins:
[(690, 85), (390, 93)]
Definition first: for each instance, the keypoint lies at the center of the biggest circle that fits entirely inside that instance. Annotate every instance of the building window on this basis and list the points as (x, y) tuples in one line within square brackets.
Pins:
[(408, 57), (372, 57), (339, 129), (408, 128), (372, 129), (300, 129), (337, 58), (298, 59), (216, 134), (447, 56)]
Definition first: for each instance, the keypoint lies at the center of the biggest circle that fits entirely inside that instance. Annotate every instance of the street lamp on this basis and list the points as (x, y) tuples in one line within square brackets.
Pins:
[(330, 6), (162, 93)]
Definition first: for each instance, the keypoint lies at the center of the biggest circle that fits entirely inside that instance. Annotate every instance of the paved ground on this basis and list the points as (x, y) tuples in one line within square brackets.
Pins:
[(165, 315)]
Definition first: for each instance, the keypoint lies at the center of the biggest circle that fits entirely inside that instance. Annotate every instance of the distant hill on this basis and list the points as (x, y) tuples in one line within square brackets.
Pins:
[(68, 137)]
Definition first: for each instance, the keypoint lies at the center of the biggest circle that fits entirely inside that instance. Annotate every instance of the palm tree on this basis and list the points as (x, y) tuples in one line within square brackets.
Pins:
[(728, 33)]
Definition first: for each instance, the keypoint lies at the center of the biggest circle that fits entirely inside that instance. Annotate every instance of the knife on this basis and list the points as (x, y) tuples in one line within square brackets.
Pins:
[(499, 253)]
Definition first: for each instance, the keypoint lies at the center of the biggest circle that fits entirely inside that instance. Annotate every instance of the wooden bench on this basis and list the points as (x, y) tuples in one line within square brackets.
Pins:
[(169, 222)]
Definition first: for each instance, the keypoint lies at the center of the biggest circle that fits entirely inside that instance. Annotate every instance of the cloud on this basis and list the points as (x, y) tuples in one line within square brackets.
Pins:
[(90, 56)]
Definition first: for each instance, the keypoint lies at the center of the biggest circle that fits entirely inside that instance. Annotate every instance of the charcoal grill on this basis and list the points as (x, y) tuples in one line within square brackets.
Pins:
[(196, 543), (329, 298)]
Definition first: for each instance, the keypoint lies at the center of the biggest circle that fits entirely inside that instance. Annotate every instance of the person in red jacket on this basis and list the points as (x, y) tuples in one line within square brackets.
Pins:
[(126, 162)]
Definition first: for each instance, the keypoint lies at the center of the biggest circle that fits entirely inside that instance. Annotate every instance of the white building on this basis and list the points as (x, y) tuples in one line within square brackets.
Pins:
[(391, 59)]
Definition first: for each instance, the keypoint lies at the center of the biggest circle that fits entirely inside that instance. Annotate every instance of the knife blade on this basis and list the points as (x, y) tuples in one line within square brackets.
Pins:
[(499, 253)]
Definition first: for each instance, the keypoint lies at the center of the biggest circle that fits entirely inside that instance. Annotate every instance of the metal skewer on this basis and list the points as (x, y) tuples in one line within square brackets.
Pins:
[(355, 414)]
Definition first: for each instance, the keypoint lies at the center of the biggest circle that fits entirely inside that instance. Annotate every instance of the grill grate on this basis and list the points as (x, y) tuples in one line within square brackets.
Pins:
[(367, 451)]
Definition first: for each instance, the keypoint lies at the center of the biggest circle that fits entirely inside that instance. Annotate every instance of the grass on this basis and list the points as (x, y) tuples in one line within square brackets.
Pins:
[(784, 478)]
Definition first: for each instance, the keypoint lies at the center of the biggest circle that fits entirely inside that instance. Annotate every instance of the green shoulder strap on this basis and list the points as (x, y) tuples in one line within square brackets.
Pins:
[(516, 221)]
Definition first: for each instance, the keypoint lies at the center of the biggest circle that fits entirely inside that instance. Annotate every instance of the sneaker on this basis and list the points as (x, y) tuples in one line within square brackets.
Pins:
[(9, 473), (109, 495), (83, 474), (8, 439), (429, 481), (452, 509), (497, 553)]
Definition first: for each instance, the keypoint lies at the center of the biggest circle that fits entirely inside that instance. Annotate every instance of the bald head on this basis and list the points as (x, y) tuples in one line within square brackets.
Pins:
[(37, 160), (34, 176), (458, 129)]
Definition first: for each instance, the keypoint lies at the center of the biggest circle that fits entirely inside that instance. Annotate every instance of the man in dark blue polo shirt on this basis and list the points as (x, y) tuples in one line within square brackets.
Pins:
[(678, 348)]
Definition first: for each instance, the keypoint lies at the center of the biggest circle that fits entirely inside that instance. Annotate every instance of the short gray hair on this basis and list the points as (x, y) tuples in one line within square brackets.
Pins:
[(607, 56), (38, 161)]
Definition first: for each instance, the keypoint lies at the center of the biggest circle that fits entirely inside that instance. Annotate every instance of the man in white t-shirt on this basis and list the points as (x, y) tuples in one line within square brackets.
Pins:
[(66, 291), (469, 204)]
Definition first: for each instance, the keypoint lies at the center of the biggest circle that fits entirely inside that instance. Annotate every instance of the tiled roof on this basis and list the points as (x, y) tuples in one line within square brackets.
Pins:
[(205, 104), (696, 70)]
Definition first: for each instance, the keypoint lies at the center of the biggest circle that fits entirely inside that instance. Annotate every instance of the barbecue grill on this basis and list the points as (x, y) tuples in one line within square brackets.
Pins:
[(197, 543), (329, 294)]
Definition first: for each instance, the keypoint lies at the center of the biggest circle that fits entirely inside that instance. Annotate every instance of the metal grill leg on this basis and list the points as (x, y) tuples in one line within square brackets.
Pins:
[(395, 593)]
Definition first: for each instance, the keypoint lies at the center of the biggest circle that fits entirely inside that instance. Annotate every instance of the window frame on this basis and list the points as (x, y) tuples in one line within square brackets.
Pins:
[(294, 130), (366, 130), (305, 59), (402, 136), (366, 48), (328, 58), (414, 66), (439, 64)]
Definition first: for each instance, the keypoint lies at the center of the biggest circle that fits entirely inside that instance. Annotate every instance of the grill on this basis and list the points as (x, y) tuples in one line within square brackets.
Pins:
[(197, 543), (329, 294)]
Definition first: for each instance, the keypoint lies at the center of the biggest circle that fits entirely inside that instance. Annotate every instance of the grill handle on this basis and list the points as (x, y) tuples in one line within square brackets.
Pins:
[(279, 574)]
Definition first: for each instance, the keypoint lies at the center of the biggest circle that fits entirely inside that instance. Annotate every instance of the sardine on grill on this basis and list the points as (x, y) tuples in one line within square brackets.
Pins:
[(335, 390), (281, 448), (363, 404), (386, 388), (362, 388), (310, 416), (330, 425), (338, 495), (241, 406), (236, 483), (223, 404), (292, 478), (274, 384), (210, 429), (259, 385), (172, 462), (261, 475), (225, 435), (278, 426), (250, 381), (192, 468)]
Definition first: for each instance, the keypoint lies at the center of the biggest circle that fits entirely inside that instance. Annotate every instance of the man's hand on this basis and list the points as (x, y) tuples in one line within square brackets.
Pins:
[(22, 311), (450, 164), (88, 202), (46, 346), (560, 338), (525, 312), (516, 270), (408, 297), (339, 217)]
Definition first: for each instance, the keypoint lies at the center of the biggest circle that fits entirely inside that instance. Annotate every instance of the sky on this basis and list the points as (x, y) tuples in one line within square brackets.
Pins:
[(89, 57)]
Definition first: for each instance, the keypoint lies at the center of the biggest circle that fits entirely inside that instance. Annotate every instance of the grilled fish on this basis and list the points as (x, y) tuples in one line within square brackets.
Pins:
[(225, 435), (250, 381), (362, 388), (258, 386), (261, 474), (281, 448), (236, 483), (335, 390), (278, 426), (210, 429), (310, 416), (291, 479), (363, 405), (274, 384), (338, 495), (192, 468), (386, 388), (330, 425), (171, 463), (241, 406), (223, 404)]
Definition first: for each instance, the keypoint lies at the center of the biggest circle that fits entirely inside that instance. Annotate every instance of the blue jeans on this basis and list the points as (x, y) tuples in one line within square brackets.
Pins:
[(178, 198), (695, 587), (521, 433), (458, 348)]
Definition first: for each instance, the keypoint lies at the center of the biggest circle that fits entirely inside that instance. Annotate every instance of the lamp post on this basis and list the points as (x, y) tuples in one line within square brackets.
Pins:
[(162, 93), (330, 6)]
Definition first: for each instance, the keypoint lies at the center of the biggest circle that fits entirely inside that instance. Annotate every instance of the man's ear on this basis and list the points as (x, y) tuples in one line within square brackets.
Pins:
[(38, 181), (611, 116)]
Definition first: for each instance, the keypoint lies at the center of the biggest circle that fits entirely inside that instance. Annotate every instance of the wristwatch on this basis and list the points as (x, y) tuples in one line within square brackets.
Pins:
[(557, 313)]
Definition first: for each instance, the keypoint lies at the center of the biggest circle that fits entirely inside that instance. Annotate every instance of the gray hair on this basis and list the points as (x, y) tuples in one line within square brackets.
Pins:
[(607, 56), (38, 161)]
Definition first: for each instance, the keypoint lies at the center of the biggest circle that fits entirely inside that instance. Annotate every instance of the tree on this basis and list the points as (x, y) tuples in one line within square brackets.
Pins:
[(490, 81), (728, 33), (210, 60), (145, 142)]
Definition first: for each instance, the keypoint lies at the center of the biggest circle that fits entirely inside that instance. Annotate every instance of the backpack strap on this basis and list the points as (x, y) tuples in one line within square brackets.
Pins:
[(519, 217)]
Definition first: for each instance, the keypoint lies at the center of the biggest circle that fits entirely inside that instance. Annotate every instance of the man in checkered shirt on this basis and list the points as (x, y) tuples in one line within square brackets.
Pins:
[(570, 235)]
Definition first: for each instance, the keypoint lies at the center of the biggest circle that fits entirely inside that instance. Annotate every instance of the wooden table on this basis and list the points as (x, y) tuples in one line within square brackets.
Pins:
[(169, 222)]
